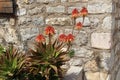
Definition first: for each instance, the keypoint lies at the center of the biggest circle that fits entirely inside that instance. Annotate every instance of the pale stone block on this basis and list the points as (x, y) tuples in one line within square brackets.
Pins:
[(59, 21), (56, 9), (45, 1), (99, 7), (73, 0), (21, 12), (101, 40), (96, 75), (86, 21), (107, 23), (74, 73), (28, 33), (12, 21)]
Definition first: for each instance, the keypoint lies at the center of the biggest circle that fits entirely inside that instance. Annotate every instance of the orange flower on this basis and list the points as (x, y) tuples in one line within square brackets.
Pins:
[(40, 38), (78, 26), (84, 12), (49, 30), (70, 38), (75, 13), (62, 38)]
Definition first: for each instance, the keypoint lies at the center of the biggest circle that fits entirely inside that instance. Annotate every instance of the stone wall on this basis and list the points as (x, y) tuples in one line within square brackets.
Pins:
[(115, 55), (96, 46)]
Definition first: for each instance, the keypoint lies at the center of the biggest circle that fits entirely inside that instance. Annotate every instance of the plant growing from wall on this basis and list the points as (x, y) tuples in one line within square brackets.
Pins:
[(48, 56)]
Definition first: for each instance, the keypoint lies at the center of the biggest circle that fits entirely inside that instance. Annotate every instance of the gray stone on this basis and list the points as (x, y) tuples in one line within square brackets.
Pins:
[(38, 21), (63, 1), (73, 0), (10, 35), (107, 23), (75, 62), (101, 40), (28, 33), (99, 7), (74, 73), (79, 39), (105, 60), (24, 20), (59, 21), (58, 9), (21, 12), (35, 10), (86, 21), (83, 53), (45, 1)]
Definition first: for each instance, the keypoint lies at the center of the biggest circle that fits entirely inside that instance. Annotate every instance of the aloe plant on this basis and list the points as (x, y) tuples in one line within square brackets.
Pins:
[(11, 64), (48, 56)]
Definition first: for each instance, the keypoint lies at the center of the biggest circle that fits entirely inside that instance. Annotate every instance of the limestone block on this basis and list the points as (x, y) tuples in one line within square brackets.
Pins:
[(107, 23), (75, 62), (63, 1), (83, 52), (74, 73), (11, 35), (99, 7), (105, 60), (86, 21), (45, 1), (73, 0), (96, 75), (101, 40), (38, 21), (91, 66), (28, 33), (59, 21), (57, 9), (21, 12), (35, 10)]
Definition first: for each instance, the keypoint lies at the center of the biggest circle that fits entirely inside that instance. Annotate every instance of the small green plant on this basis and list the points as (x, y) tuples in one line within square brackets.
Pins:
[(2, 50), (11, 63)]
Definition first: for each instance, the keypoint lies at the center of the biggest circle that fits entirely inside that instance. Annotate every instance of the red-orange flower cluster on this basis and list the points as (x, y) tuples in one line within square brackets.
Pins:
[(78, 26), (84, 12), (75, 13), (62, 38), (40, 38), (68, 38), (49, 30)]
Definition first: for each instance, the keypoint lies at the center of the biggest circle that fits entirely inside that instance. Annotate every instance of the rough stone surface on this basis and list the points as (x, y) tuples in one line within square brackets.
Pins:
[(21, 12), (74, 73), (99, 7), (107, 23), (57, 9), (86, 21), (101, 40), (105, 60), (59, 21), (28, 33), (45, 1), (76, 62), (91, 66), (96, 75)]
